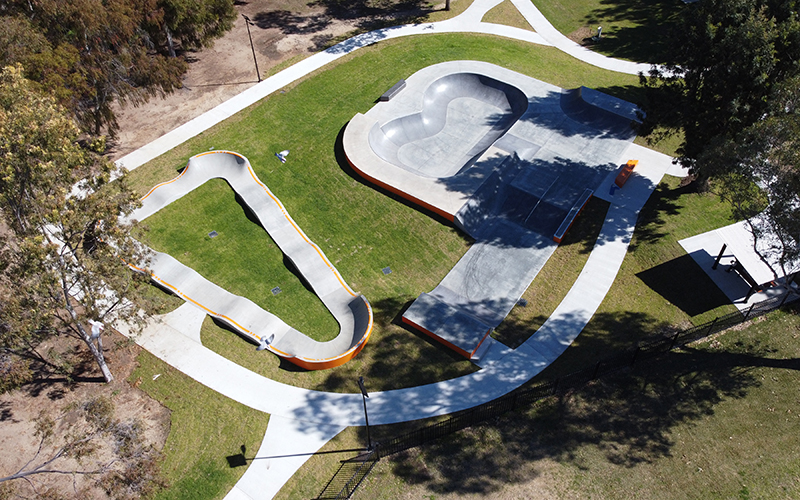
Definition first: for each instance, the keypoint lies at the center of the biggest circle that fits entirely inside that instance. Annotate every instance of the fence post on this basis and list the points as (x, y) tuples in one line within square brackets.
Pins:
[(674, 339), (711, 327), (555, 387), (748, 313), (596, 369), (635, 352)]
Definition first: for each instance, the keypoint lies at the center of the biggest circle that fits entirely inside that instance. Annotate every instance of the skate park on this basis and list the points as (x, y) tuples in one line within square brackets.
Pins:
[(294, 410), (524, 158), (510, 160)]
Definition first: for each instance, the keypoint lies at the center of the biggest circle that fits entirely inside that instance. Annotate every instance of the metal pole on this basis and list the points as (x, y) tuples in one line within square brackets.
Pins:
[(247, 23), (364, 397), (719, 256)]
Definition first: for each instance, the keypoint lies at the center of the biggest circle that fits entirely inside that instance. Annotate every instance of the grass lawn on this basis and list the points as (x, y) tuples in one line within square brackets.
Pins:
[(361, 229), (659, 287), (717, 419), (632, 29), (506, 13), (242, 258), (205, 428)]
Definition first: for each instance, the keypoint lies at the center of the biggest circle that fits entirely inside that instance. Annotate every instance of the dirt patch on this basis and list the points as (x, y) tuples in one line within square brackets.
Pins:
[(583, 36), (58, 396), (281, 31)]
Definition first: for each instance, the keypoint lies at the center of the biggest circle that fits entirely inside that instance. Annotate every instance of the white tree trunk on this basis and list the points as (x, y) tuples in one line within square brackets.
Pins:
[(170, 43)]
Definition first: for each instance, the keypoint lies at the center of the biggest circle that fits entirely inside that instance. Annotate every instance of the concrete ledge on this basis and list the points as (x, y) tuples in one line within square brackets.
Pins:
[(396, 88)]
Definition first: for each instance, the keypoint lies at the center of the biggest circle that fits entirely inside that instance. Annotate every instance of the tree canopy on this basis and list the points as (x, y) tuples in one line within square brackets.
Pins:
[(89, 53), (62, 244), (727, 56), (732, 88)]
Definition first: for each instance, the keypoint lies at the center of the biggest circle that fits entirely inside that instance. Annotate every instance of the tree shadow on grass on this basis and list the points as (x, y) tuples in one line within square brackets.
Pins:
[(647, 40), (662, 203), (629, 417), (683, 284), (400, 354)]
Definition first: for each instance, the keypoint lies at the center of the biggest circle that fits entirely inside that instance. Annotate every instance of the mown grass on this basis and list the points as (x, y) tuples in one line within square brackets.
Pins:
[(205, 427), (242, 258), (716, 419), (659, 287), (506, 13), (632, 29), (360, 228)]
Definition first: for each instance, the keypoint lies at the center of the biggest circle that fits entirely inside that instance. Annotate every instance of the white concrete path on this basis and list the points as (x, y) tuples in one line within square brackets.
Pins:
[(555, 38), (287, 445), (302, 420)]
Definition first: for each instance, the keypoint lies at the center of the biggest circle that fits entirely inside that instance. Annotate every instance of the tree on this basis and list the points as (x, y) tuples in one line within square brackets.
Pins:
[(61, 254), (193, 23), (758, 173), (95, 53), (727, 57)]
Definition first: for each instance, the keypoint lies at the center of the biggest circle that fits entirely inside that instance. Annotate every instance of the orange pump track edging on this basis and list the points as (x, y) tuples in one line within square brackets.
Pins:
[(302, 362)]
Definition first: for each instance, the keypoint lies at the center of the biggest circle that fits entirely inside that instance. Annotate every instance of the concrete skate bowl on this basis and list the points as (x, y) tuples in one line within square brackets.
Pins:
[(462, 115), (351, 310)]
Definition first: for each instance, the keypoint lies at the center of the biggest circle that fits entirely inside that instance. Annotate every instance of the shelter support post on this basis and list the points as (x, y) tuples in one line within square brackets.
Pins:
[(719, 256)]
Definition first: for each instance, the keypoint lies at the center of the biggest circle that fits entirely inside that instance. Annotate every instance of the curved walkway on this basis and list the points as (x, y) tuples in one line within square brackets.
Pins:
[(303, 418), (351, 310)]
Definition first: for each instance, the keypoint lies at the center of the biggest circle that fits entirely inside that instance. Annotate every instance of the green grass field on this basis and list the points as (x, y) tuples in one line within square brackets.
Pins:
[(634, 30), (205, 427), (506, 13)]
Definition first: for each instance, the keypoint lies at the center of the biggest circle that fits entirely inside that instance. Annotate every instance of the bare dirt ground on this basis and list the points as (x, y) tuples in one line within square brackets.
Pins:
[(281, 31), (56, 396)]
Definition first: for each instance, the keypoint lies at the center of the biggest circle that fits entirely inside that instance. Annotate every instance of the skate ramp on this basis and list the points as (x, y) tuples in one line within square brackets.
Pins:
[(462, 115), (509, 159), (351, 310)]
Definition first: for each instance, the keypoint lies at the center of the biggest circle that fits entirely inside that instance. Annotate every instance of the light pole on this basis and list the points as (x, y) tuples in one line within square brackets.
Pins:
[(247, 23), (364, 397)]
